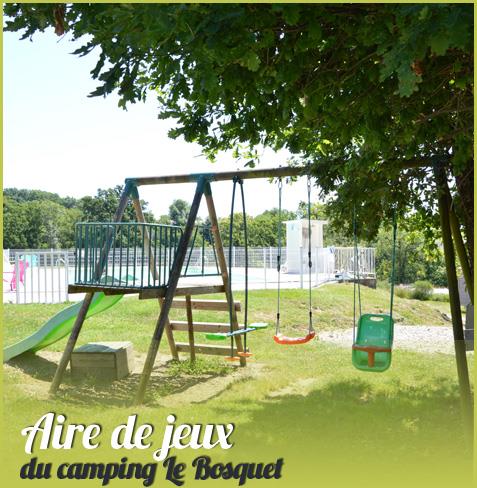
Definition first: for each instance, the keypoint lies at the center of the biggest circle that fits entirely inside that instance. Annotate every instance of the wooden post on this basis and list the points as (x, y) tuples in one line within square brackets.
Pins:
[(171, 288), (170, 335), (80, 318), (223, 266), (190, 327), (147, 241), (457, 327), (154, 271), (461, 253), (70, 345)]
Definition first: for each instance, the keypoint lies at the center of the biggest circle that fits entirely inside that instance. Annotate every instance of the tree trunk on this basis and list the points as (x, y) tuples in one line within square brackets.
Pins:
[(465, 207)]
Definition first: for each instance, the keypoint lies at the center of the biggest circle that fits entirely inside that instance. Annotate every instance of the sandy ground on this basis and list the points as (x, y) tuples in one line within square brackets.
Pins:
[(420, 338), (36, 371)]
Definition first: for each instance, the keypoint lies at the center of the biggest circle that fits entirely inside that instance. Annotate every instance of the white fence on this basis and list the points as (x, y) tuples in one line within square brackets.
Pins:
[(36, 276), (42, 276)]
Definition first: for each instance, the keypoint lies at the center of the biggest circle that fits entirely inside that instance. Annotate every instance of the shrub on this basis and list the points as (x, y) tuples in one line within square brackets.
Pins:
[(422, 290), (440, 297), (402, 292)]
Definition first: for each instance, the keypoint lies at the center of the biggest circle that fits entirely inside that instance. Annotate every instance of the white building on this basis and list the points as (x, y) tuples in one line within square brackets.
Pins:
[(297, 242)]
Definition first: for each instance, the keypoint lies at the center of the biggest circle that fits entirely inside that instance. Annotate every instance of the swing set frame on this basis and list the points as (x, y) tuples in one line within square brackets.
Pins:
[(450, 233), (166, 295)]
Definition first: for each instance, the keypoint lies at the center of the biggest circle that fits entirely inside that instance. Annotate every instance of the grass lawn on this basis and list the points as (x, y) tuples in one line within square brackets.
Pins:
[(307, 395)]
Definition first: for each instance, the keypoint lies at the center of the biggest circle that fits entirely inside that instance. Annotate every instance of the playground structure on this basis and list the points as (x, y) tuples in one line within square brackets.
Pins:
[(164, 287), (160, 282)]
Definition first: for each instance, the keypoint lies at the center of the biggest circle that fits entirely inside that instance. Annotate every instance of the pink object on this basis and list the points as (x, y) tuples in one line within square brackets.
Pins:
[(23, 265)]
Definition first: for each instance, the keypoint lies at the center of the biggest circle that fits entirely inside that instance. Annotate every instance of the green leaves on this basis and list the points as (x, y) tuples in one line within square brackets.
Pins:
[(439, 44), (250, 61), (384, 85)]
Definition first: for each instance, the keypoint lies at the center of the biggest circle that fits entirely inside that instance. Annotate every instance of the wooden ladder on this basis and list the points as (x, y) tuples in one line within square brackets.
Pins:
[(190, 347)]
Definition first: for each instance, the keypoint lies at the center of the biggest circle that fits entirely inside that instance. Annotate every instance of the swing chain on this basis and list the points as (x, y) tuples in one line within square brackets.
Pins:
[(308, 186), (239, 180), (279, 252), (310, 264)]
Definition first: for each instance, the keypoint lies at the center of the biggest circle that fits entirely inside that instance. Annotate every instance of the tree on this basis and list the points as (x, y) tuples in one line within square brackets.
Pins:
[(164, 219), (371, 95), (102, 207), (15, 224), (413, 260), (37, 219), (178, 212), (66, 227), (262, 230), (24, 195)]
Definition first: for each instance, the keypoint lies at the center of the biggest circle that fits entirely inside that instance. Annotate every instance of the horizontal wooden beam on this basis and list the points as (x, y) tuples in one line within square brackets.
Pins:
[(107, 290), (190, 290), (223, 176), (215, 327), (145, 293), (204, 349), (216, 305)]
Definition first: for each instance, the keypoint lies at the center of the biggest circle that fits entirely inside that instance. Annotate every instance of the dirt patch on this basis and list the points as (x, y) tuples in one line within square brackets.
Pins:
[(212, 387), (168, 386), (421, 338)]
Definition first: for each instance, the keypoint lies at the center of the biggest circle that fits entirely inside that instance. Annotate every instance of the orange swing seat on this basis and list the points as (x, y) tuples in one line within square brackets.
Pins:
[(285, 340)]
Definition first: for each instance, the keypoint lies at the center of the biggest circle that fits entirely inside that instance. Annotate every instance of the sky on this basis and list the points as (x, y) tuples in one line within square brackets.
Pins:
[(57, 139)]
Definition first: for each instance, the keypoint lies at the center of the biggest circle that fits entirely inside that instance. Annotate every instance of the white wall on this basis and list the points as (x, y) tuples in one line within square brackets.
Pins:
[(297, 237)]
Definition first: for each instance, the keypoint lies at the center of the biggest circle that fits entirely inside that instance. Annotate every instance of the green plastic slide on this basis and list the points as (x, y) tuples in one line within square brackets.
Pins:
[(374, 342), (59, 326)]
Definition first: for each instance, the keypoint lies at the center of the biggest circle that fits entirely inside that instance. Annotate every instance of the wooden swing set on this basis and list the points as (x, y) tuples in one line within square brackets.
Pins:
[(101, 238), (165, 279)]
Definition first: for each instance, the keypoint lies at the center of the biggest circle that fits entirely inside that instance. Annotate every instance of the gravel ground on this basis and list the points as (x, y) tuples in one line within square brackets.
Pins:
[(420, 338)]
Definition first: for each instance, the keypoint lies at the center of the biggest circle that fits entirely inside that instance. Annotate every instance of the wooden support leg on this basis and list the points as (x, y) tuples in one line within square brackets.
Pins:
[(190, 327), (70, 345), (223, 267), (60, 370), (170, 336), (457, 327), (147, 239), (171, 289), (154, 271)]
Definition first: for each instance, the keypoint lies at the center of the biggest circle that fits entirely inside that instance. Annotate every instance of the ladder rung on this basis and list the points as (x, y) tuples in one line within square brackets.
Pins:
[(180, 325), (217, 305), (204, 349)]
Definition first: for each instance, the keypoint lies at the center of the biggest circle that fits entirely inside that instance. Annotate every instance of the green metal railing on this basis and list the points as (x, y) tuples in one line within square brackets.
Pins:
[(196, 263), (136, 255), (119, 255)]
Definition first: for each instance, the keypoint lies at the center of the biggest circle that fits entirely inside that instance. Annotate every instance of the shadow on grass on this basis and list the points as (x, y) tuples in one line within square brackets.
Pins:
[(37, 367), (353, 420), (169, 377)]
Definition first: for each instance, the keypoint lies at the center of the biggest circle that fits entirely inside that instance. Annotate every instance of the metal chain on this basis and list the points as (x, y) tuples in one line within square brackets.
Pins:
[(279, 253), (310, 264), (393, 269), (231, 226), (245, 233)]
